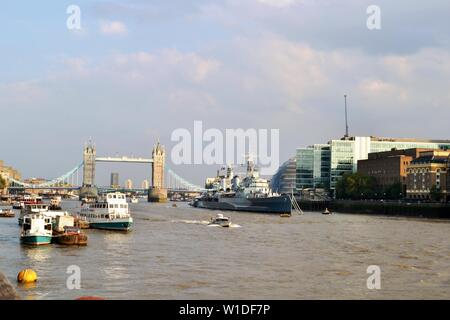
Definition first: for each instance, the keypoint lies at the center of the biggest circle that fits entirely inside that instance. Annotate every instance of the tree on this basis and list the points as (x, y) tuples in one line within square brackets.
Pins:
[(394, 191), (2, 183), (356, 186)]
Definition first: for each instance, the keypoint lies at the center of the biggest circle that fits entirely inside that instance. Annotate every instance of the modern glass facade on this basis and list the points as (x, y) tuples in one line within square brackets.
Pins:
[(313, 167), (284, 180), (322, 165)]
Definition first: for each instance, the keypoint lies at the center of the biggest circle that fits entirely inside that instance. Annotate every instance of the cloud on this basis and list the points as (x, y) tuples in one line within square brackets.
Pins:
[(279, 3), (22, 94), (266, 82), (333, 24), (113, 28)]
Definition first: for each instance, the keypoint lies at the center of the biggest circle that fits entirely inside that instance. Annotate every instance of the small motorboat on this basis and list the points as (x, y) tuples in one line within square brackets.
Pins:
[(285, 215), (326, 211), (174, 205), (18, 205), (134, 199), (220, 220), (7, 213)]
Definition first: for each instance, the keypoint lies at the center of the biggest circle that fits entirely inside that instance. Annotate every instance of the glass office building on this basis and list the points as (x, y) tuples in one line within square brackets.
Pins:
[(313, 167), (284, 180), (322, 165)]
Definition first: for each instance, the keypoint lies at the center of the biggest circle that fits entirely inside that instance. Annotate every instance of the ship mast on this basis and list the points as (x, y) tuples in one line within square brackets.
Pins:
[(346, 121)]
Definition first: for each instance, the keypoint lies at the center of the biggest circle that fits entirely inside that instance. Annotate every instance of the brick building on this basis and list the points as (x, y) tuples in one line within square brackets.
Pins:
[(428, 172), (446, 192), (389, 167)]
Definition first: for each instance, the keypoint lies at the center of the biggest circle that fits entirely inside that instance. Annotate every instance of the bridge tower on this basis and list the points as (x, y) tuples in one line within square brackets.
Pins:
[(89, 190), (157, 193)]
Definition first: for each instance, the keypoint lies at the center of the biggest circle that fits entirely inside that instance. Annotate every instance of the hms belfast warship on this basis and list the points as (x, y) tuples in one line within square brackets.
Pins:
[(252, 194)]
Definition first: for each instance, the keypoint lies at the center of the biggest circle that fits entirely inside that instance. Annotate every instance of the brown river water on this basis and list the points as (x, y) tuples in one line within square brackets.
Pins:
[(173, 254)]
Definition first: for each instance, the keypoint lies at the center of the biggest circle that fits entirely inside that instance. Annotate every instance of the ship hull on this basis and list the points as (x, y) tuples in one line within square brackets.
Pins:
[(276, 205), (112, 225), (78, 239), (36, 240)]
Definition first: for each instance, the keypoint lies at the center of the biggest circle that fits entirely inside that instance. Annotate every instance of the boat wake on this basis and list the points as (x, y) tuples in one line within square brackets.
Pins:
[(205, 223)]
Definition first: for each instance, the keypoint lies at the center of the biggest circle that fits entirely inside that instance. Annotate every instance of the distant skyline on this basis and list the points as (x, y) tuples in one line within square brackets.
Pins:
[(137, 70)]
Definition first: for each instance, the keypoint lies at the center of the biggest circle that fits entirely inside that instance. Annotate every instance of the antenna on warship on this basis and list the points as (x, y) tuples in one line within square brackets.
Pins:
[(346, 121)]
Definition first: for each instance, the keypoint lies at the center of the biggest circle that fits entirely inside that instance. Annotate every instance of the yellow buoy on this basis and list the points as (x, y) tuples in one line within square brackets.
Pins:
[(27, 276)]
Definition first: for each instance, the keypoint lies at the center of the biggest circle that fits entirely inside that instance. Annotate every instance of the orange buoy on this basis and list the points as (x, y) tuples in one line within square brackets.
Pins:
[(27, 276)]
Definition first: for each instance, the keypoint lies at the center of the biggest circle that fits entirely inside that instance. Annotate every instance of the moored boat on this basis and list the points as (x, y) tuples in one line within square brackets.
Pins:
[(17, 205), (7, 213), (112, 213), (55, 203), (71, 236), (252, 194), (40, 208), (29, 209), (36, 230), (81, 223), (326, 211)]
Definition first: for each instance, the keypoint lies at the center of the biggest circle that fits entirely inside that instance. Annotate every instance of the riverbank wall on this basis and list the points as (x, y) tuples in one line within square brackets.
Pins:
[(425, 210)]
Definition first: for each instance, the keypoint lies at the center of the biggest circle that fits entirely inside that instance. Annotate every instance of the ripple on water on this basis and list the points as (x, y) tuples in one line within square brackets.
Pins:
[(170, 255)]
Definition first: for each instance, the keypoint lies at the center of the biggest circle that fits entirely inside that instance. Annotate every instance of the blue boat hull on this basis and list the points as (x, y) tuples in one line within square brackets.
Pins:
[(36, 240), (119, 226)]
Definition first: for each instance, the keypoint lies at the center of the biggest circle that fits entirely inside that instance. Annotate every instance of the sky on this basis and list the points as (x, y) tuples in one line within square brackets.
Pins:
[(138, 70)]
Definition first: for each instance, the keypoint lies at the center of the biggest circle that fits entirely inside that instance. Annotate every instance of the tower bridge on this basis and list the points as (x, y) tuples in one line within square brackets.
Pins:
[(88, 188)]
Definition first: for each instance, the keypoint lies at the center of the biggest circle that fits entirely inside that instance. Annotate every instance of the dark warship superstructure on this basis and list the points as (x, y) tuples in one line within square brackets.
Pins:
[(252, 194)]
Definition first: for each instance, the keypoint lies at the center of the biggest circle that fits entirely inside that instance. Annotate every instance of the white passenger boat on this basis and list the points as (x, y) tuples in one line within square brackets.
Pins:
[(220, 220), (112, 213), (29, 209), (36, 230), (40, 208)]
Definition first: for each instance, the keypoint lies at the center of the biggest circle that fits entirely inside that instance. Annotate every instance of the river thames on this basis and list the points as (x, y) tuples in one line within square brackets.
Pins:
[(173, 254)]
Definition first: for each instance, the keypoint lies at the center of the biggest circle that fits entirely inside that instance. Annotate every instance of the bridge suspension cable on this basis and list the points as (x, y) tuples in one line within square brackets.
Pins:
[(177, 182), (64, 178)]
